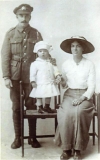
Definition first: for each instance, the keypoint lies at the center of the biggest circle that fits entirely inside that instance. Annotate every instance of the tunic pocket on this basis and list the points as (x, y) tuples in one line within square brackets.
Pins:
[(32, 40), (15, 69), (14, 63), (31, 43), (16, 45)]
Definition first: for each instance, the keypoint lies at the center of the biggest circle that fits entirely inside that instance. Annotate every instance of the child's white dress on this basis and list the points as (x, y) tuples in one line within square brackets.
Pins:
[(44, 73)]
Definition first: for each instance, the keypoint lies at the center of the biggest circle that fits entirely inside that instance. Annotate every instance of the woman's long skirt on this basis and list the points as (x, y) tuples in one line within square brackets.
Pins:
[(74, 121)]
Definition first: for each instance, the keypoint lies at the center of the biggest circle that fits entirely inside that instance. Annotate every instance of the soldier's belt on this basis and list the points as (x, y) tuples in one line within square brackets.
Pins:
[(18, 59)]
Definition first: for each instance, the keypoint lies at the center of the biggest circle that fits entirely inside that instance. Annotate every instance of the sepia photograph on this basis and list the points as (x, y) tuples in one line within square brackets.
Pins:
[(50, 79)]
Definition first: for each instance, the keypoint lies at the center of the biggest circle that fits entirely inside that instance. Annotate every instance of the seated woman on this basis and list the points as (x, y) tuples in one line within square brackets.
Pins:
[(76, 111)]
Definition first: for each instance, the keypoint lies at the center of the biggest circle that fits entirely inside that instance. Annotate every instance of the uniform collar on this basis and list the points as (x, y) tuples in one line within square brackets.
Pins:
[(27, 29)]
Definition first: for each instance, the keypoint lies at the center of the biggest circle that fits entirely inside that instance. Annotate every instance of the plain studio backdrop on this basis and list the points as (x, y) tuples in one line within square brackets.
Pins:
[(56, 20)]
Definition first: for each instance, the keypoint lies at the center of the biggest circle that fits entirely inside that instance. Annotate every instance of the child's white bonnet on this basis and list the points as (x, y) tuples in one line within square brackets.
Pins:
[(42, 45)]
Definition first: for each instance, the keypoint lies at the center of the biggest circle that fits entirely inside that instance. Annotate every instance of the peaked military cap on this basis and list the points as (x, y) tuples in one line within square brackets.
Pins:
[(23, 9)]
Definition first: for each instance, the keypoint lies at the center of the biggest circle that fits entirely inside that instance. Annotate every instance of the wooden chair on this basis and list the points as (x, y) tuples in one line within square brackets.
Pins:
[(25, 114), (96, 102), (33, 114)]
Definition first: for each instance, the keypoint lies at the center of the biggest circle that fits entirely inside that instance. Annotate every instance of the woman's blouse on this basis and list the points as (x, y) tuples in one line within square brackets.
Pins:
[(80, 76)]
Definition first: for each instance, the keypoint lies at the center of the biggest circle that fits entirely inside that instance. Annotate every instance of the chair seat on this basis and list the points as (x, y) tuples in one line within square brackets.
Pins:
[(35, 114)]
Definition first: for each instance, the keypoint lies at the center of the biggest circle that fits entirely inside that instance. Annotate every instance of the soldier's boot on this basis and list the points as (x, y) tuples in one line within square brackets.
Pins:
[(17, 143), (32, 133), (17, 127)]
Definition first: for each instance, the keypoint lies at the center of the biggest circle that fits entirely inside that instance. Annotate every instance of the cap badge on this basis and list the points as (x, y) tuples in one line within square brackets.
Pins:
[(23, 8)]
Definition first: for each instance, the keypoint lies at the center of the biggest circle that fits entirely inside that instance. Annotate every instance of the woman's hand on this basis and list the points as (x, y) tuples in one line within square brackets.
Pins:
[(34, 85), (78, 101)]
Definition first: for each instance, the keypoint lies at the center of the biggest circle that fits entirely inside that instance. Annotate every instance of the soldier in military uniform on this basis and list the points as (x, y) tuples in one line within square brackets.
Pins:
[(17, 55)]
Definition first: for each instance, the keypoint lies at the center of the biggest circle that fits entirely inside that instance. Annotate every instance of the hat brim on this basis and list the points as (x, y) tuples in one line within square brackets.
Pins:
[(23, 12), (87, 46)]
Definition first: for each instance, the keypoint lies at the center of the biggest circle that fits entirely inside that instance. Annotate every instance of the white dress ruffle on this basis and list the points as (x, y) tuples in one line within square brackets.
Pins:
[(45, 90)]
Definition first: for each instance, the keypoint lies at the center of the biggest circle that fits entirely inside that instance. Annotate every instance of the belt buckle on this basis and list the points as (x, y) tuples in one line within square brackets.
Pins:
[(20, 59)]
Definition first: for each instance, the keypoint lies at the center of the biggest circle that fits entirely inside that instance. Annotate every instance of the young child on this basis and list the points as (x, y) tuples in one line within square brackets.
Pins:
[(44, 77)]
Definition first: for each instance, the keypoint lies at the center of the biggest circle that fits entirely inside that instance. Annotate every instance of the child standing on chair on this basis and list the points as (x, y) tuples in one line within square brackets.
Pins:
[(44, 77)]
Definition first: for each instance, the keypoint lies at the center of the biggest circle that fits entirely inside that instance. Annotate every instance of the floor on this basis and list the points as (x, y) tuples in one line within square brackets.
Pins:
[(48, 151)]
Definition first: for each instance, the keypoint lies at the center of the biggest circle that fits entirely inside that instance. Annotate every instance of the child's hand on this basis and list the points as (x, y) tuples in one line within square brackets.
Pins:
[(63, 82), (34, 85), (58, 79)]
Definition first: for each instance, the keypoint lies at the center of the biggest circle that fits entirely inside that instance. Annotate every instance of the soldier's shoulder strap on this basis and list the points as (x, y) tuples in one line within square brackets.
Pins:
[(33, 28), (11, 29)]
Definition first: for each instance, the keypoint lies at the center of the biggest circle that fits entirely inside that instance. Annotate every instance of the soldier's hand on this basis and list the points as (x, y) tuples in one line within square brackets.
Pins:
[(34, 85), (53, 61), (8, 83)]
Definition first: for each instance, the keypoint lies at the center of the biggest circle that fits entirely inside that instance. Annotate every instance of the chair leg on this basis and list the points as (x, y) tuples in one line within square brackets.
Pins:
[(56, 124), (93, 130), (98, 135), (22, 126), (22, 135), (98, 102)]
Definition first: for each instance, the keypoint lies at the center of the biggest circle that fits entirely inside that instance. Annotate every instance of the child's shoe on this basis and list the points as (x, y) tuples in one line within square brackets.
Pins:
[(48, 109), (40, 110)]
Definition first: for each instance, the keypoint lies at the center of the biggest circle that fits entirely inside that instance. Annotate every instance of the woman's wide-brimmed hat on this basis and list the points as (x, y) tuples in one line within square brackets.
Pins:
[(87, 46)]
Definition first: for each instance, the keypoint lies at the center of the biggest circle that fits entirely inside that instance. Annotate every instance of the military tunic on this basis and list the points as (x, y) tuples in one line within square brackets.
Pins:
[(18, 47)]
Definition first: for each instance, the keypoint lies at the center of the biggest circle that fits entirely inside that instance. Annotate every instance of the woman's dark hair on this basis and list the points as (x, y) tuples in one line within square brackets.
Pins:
[(81, 43)]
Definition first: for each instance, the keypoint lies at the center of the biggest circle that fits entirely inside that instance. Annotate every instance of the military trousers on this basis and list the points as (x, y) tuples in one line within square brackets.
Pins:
[(29, 104)]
